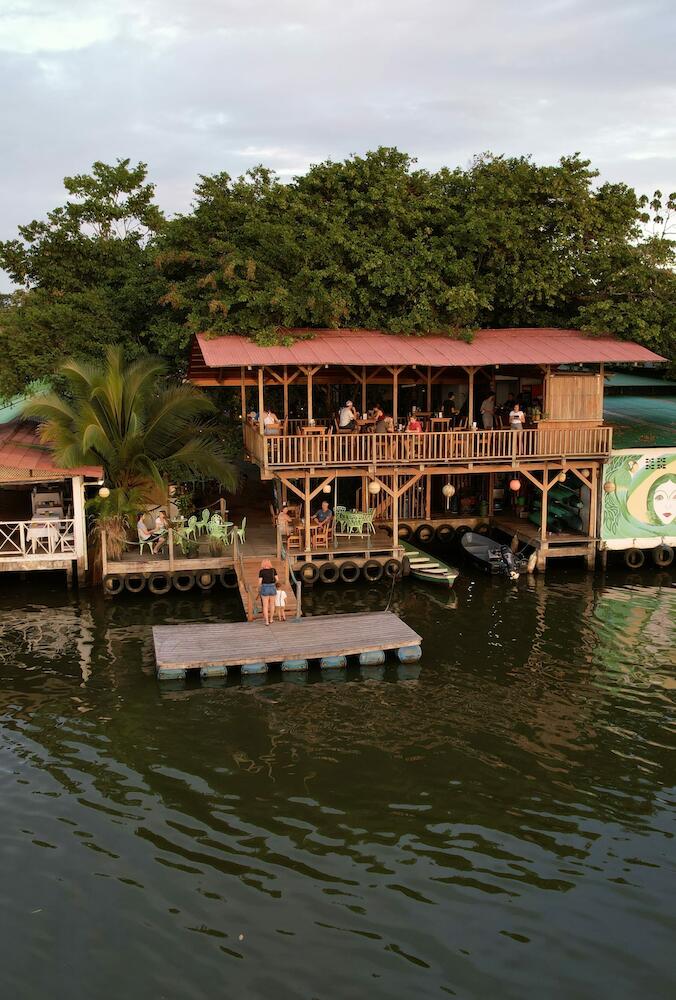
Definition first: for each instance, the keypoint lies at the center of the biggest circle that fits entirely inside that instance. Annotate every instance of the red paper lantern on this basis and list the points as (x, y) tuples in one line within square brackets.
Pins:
[(515, 485)]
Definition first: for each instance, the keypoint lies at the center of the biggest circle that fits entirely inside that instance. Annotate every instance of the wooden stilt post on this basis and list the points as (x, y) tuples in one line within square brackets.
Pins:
[(491, 489), (395, 396), (363, 388), (307, 511), (593, 515), (428, 498), (395, 508), (286, 394), (429, 388), (310, 412), (261, 407)]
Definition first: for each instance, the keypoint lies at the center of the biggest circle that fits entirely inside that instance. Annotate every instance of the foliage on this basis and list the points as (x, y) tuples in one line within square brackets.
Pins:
[(86, 276), (373, 242), (129, 420)]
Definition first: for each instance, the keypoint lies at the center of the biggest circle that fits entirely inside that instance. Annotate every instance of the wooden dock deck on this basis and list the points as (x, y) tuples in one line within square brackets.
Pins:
[(214, 648)]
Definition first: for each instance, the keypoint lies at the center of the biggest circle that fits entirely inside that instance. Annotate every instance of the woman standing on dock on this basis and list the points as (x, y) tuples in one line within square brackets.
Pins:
[(267, 580)]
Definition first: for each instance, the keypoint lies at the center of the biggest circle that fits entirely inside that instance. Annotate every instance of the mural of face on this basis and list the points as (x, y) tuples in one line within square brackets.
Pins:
[(664, 500)]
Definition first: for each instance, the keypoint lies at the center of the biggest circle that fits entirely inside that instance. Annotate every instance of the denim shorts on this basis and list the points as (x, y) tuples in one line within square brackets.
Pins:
[(268, 590)]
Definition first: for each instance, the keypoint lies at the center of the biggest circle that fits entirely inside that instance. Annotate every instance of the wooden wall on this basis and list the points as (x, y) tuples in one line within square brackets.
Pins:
[(574, 397)]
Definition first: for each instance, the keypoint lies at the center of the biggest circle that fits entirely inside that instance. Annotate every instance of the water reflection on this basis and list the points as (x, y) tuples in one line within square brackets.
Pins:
[(467, 824)]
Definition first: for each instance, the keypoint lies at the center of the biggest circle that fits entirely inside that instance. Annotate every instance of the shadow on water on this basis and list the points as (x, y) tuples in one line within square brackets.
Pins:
[(495, 818)]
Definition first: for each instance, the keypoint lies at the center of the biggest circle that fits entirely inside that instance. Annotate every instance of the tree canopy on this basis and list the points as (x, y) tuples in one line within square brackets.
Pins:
[(373, 242)]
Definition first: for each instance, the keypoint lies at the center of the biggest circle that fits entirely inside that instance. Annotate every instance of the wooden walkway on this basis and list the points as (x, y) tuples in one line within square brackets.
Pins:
[(248, 587), (213, 648)]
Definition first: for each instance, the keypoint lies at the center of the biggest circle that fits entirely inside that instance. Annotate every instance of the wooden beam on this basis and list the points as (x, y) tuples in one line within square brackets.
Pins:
[(242, 390), (286, 393), (429, 388), (363, 388), (325, 482), (261, 428), (395, 509), (289, 485), (307, 512)]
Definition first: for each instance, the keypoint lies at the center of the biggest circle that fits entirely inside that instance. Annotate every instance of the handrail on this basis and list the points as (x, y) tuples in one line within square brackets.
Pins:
[(438, 447), (296, 583), (38, 538), (239, 562)]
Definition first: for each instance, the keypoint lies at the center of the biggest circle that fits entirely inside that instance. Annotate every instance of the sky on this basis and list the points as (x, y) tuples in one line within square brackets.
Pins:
[(198, 86)]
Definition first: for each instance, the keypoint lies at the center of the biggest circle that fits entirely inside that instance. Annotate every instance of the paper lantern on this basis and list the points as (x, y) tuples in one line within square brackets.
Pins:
[(562, 477), (327, 488), (374, 488), (609, 487), (448, 491), (515, 485), (104, 492)]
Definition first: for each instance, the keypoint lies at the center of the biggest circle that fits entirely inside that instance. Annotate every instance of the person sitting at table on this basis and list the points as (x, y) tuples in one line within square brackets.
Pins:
[(347, 417), (323, 515), (381, 425), (414, 426), (270, 422), (146, 535), (377, 413)]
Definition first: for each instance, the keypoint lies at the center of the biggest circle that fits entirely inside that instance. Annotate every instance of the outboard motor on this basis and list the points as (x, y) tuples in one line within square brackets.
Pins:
[(509, 562)]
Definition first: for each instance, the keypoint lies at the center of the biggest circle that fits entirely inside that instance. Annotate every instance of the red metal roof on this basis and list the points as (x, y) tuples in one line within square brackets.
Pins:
[(528, 346), (20, 448)]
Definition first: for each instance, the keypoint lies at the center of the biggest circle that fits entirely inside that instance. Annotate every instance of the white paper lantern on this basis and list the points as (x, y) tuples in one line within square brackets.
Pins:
[(562, 477), (327, 488), (448, 491), (104, 492), (374, 488)]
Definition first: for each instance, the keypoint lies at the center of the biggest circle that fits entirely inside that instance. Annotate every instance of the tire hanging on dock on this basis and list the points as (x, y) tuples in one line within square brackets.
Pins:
[(228, 579), (159, 583), (372, 570), (393, 569), (134, 582), (461, 530), (444, 533), (663, 556), (424, 533), (349, 571), (329, 572), (483, 528), (308, 572), (634, 558), (183, 581), (113, 584), (405, 532), (205, 579)]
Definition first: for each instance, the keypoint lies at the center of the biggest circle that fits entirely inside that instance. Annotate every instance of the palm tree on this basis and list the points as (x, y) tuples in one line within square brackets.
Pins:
[(142, 430)]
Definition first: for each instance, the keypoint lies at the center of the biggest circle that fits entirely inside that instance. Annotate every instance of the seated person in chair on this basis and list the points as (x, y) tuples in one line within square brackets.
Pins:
[(146, 535), (347, 417), (324, 515)]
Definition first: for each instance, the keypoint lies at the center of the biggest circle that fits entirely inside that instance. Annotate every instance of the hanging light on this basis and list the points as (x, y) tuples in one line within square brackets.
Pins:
[(374, 487), (327, 488), (562, 477), (515, 485), (448, 490), (104, 492)]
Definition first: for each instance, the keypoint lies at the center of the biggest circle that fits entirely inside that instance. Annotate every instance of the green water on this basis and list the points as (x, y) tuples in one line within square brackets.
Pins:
[(497, 821)]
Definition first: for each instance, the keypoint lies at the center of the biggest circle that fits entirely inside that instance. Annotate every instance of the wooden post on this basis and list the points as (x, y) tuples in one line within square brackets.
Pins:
[(261, 428), (79, 528), (171, 549), (286, 393), (543, 511), (395, 396), (307, 511), (428, 498), (242, 389), (395, 509), (363, 388), (491, 489), (104, 554), (309, 396), (470, 398), (429, 388), (592, 528)]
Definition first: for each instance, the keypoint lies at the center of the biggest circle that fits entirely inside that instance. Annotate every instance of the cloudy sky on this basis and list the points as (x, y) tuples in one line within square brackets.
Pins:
[(197, 86)]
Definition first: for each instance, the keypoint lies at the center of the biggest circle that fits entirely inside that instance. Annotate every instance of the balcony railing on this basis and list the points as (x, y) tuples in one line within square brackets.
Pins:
[(297, 451), (40, 539)]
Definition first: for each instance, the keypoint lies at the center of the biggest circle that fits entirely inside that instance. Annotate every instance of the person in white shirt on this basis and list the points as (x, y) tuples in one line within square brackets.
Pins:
[(280, 603), (517, 418), (488, 411), (347, 416)]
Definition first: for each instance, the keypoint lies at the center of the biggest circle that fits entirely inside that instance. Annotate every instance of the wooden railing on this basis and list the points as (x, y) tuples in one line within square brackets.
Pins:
[(39, 539), (428, 448)]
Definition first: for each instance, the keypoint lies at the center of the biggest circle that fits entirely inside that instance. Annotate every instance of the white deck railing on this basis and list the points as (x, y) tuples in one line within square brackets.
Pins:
[(40, 539)]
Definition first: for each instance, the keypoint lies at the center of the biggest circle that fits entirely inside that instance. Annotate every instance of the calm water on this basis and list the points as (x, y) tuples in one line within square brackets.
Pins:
[(498, 822)]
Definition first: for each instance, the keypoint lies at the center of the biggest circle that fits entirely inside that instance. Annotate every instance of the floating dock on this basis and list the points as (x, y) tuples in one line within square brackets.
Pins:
[(213, 649)]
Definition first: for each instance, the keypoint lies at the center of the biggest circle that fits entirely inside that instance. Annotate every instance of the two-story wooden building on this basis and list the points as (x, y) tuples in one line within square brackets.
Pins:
[(539, 482)]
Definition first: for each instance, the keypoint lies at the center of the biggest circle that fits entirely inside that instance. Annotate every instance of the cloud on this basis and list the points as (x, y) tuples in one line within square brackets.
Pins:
[(224, 84)]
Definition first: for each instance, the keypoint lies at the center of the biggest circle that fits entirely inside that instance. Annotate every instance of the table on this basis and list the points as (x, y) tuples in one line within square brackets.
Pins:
[(440, 423)]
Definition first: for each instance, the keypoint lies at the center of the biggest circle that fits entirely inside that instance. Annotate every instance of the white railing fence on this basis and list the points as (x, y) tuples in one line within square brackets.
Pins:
[(37, 539)]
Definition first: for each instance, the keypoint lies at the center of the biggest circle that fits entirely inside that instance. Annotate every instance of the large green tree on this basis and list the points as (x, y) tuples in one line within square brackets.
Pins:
[(86, 276)]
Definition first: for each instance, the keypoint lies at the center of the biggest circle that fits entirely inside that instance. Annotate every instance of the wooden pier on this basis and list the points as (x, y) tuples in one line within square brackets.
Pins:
[(212, 649)]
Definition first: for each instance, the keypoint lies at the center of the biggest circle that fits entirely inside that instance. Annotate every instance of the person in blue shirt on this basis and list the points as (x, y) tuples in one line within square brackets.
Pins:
[(324, 514)]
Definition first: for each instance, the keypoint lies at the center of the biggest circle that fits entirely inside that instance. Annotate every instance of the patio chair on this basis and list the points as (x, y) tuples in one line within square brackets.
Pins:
[(145, 541), (367, 520), (339, 515), (203, 524), (190, 528), (241, 531)]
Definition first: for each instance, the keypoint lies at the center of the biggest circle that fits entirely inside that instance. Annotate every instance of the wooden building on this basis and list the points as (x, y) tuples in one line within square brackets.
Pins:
[(42, 516), (557, 374)]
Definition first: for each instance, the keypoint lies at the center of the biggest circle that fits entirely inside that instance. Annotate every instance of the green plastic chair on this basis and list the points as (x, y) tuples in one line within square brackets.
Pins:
[(241, 531), (145, 541), (339, 517), (190, 529), (203, 525)]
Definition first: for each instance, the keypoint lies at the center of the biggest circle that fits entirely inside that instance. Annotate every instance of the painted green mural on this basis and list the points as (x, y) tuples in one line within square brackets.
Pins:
[(639, 498)]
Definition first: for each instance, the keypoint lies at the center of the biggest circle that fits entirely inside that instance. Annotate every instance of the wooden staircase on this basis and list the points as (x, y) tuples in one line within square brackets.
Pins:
[(247, 570)]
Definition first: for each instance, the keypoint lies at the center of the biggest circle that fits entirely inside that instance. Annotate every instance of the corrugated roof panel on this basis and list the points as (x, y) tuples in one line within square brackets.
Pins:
[(20, 448), (372, 348)]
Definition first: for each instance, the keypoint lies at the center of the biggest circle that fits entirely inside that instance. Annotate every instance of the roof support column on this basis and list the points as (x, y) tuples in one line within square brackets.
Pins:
[(363, 389), (261, 407), (286, 394), (242, 390)]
